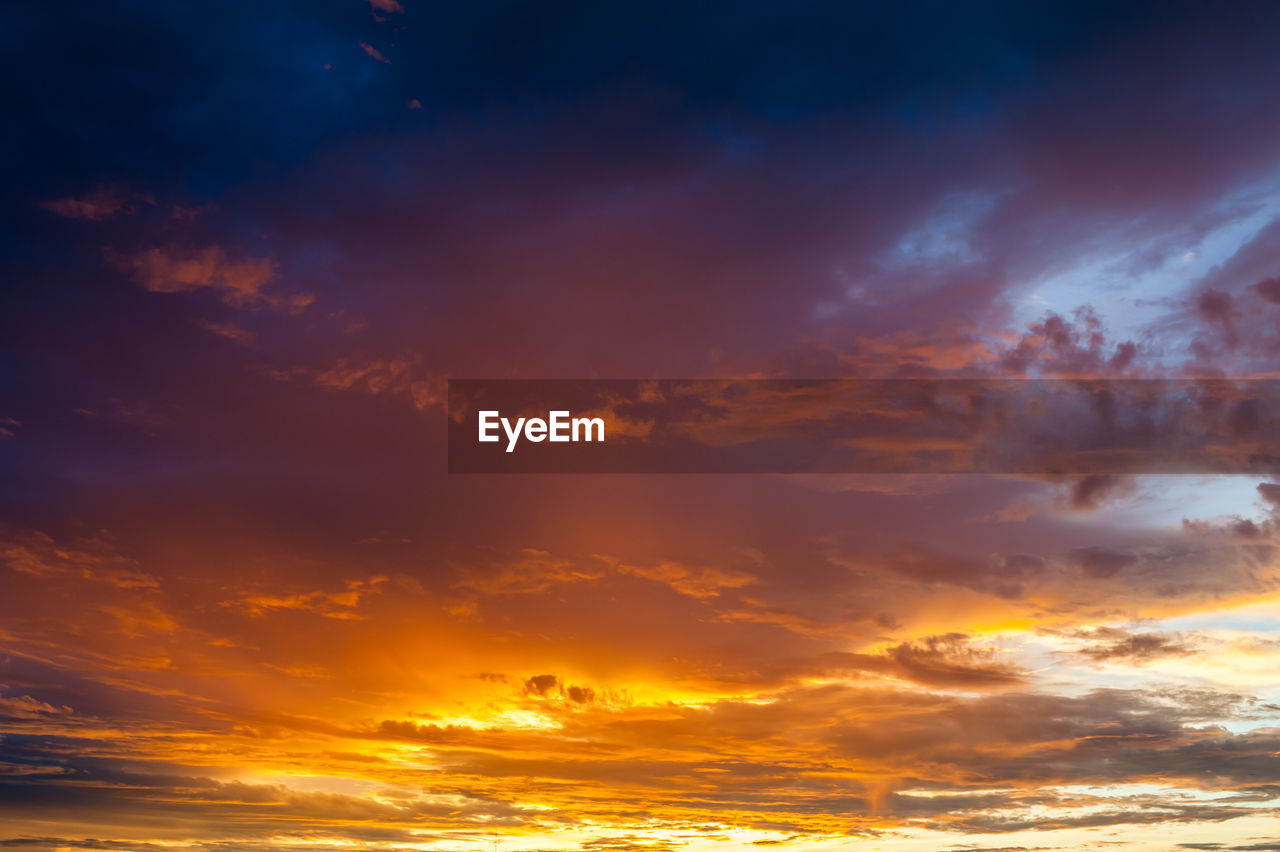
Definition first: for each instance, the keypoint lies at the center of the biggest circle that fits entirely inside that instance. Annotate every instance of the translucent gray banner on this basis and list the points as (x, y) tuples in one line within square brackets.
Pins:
[(864, 426)]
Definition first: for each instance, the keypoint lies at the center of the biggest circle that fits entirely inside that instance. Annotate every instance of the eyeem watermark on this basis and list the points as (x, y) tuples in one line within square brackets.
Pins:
[(1048, 427), (559, 427)]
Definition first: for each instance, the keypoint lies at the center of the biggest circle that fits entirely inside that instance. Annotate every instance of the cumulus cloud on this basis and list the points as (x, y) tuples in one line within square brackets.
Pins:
[(1057, 346)]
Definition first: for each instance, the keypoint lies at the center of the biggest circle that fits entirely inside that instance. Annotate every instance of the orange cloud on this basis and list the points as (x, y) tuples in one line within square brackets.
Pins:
[(532, 572), (173, 271), (240, 283), (374, 53), (694, 581), (340, 605), (399, 375), (35, 553)]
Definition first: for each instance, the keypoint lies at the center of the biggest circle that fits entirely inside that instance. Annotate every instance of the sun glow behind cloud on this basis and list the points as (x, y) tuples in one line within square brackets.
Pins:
[(806, 747)]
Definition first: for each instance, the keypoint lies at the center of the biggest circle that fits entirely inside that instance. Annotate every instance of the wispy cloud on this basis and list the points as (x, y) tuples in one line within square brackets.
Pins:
[(96, 206), (373, 52)]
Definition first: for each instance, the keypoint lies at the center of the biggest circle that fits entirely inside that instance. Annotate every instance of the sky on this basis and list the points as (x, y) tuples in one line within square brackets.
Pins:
[(243, 605)]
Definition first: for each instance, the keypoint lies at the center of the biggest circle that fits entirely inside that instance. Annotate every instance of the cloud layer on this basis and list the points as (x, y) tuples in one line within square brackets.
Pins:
[(245, 606)]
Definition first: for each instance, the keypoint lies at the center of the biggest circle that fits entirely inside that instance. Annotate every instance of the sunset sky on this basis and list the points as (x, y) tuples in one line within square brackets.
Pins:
[(244, 607)]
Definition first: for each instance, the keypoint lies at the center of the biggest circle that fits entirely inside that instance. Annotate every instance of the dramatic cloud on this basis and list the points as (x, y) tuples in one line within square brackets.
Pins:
[(246, 606)]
